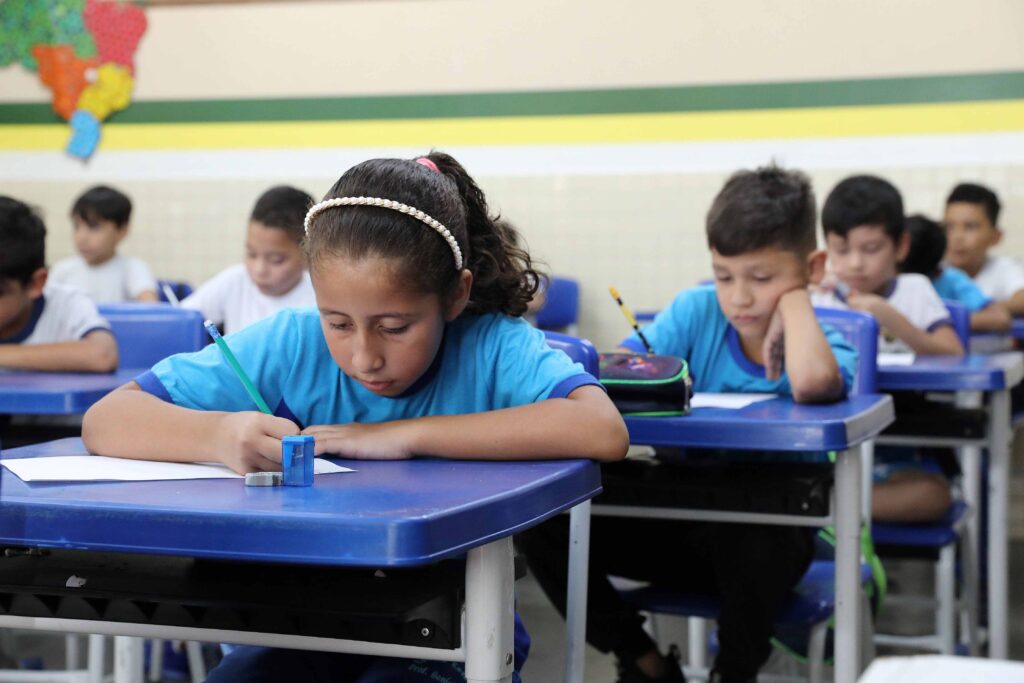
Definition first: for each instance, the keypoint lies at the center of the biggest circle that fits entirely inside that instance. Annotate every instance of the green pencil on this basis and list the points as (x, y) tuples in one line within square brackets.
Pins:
[(250, 388)]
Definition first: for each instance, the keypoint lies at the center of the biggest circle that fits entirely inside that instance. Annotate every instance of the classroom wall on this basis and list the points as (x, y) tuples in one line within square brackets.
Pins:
[(602, 129)]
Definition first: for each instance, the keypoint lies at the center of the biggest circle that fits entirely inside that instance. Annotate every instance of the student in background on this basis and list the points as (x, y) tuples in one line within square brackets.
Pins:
[(866, 238), (972, 228), (753, 331), (927, 247), (44, 327), (274, 274), (101, 218), (864, 230), (418, 348)]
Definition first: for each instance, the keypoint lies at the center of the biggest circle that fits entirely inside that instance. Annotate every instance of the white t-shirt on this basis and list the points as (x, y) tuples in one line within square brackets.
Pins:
[(912, 295), (62, 314), (1000, 278), (122, 278), (232, 299)]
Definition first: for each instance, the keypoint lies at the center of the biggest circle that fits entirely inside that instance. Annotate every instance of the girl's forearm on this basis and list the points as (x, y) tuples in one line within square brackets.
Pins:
[(112, 427), (556, 428)]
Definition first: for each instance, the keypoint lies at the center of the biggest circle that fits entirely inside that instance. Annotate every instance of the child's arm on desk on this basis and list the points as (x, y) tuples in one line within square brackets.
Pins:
[(809, 360), (941, 341), (993, 318), (1015, 304), (131, 423), (583, 425), (95, 352)]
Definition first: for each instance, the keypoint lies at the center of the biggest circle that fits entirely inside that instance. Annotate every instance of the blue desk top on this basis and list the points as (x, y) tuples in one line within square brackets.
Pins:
[(954, 373), (778, 425), (56, 393), (397, 513)]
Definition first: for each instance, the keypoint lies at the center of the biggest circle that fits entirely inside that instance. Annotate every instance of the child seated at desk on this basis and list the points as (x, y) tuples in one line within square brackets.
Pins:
[(101, 218), (418, 348), (274, 274), (753, 331), (44, 326), (927, 247), (865, 233), (972, 229)]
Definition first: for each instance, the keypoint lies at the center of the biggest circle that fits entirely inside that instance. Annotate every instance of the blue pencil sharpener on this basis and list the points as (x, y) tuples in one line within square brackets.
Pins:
[(297, 460)]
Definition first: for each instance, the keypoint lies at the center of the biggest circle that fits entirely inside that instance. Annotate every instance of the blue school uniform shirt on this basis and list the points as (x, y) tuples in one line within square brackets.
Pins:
[(956, 285), (694, 327), (486, 362)]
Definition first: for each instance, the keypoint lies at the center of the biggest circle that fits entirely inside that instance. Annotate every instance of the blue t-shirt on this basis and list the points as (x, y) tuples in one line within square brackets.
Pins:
[(486, 362), (956, 285), (694, 327)]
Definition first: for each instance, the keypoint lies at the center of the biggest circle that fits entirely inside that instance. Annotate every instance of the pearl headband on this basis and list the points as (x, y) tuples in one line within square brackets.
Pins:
[(394, 206)]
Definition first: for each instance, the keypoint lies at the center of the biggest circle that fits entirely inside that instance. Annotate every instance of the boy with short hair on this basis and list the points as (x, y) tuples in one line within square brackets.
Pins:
[(754, 331), (863, 223), (44, 327), (101, 217), (972, 228), (274, 274), (927, 248)]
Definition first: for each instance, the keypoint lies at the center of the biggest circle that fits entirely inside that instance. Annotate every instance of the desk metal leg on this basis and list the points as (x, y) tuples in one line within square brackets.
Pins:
[(998, 511), (576, 600), (848, 523), (970, 468), (127, 659), (490, 606)]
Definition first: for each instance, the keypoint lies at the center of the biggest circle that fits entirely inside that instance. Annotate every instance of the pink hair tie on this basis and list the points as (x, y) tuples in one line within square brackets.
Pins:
[(424, 161)]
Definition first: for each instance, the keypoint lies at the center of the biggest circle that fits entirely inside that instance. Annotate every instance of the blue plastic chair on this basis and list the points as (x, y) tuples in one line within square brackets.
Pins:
[(813, 600), (579, 350), (180, 290), (561, 305), (148, 333), (961, 318)]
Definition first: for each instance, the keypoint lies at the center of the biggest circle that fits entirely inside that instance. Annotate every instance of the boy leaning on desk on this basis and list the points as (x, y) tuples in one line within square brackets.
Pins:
[(44, 327), (753, 331)]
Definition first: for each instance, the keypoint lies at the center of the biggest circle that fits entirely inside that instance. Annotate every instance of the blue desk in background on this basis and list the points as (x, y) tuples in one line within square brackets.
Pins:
[(782, 425), (971, 377), (386, 514), (56, 393)]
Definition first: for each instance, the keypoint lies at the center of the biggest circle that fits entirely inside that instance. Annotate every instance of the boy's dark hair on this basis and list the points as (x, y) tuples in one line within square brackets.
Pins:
[(504, 278), (283, 207), (927, 246), (102, 203), (863, 200), (973, 193), (23, 237), (767, 207)]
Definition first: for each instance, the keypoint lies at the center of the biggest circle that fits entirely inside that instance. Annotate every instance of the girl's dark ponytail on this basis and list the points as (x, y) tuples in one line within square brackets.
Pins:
[(504, 277)]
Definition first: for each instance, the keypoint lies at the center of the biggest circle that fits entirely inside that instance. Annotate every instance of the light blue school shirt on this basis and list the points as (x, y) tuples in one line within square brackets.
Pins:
[(486, 362), (694, 327), (956, 285)]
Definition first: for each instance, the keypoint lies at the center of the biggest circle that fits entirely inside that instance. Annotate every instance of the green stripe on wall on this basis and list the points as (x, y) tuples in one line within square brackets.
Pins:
[(909, 90)]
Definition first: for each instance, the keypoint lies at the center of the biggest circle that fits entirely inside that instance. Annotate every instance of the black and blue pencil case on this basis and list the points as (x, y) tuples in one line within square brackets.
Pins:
[(647, 385)]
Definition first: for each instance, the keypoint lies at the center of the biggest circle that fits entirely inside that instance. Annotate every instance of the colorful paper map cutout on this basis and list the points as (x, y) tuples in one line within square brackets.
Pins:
[(83, 51)]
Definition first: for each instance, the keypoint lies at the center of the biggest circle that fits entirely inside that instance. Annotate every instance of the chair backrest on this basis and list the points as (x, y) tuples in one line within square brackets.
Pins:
[(148, 333), (860, 330), (961, 321), (561, 304), (579, 350), (179, 289)]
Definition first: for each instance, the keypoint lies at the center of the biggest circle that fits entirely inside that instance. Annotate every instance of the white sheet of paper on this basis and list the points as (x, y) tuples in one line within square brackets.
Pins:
[(941, 669), (895, 359), (734, 401), (102, 468)]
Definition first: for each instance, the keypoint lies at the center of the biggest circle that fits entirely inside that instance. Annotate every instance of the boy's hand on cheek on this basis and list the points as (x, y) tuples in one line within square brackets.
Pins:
[(252, 441), (363, 441)]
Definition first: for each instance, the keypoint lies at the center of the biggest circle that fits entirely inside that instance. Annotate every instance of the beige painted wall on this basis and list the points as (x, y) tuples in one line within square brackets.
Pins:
[(285, 49)]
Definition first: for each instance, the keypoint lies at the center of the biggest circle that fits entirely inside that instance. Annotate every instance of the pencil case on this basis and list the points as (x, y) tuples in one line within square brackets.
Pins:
[(647, 385)]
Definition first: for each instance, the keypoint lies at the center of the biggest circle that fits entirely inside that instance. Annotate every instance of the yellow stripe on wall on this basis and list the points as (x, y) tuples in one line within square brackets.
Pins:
[(819, 122)]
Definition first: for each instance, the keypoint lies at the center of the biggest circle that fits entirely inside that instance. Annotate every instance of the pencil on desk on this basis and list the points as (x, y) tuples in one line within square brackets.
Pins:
[(250, 388), (630, 319)]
